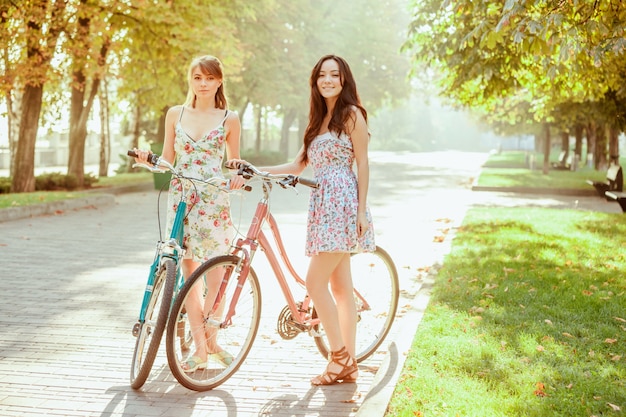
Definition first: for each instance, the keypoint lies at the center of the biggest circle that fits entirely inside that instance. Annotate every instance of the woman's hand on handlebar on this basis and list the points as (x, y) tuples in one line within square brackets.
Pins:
[(234, 163), (142, 156), (236, 182)]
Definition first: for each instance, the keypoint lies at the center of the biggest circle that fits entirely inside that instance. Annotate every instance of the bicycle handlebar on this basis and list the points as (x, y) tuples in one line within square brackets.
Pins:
[(248, 170), (159, 163), (152, 158)]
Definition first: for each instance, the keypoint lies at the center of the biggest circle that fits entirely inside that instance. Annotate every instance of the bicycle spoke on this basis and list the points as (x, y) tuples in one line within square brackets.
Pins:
[(227, 343)]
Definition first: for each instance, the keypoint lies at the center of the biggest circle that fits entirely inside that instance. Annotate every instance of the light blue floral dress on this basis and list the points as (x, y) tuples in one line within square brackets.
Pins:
[(331, 225), (208, 229)]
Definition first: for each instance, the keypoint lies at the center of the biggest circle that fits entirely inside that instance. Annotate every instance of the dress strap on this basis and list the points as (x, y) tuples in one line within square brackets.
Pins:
[(224, 119), (180, 117)]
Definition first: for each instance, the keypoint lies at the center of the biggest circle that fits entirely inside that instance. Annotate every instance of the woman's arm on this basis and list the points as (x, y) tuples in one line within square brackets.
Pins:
[(295, 167), (169, 154), (232, 128), (233, 136), (360, 141)]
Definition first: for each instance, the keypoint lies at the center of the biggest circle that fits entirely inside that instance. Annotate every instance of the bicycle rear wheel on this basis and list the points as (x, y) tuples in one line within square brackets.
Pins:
[(235, 337), (376, 287), (151, 330)]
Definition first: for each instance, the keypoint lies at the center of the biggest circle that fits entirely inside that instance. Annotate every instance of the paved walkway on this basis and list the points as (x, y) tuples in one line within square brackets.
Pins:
[(73, 281)]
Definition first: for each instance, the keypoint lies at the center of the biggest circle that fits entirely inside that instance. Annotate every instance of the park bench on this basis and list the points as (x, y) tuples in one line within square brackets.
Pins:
[(564, 163), (618, 196), (614, 181)]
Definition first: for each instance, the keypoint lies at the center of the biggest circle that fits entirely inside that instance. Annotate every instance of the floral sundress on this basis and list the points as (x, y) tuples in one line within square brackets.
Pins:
[(331, 225), (208, 229)]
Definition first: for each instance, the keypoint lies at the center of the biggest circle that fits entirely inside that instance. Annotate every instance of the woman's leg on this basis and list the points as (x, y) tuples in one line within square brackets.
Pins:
[(193, 305), (338, 319), (343, 292), (213, 281), (321, 267)]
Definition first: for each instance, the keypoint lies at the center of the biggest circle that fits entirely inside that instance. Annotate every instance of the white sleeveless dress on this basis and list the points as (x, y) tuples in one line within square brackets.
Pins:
[(208, 229)]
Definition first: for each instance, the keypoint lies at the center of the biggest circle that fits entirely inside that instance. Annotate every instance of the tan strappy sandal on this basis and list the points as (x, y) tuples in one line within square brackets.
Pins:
[(348, 373)]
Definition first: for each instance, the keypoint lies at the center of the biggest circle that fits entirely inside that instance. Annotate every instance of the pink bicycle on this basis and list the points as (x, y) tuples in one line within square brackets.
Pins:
[(233, 321)]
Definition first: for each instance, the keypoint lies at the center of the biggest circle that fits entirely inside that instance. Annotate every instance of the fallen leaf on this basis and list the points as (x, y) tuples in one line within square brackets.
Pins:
[(539, 392), (610, 341), (548, 322), (620, 319), (567, 335), (614, 407), (540, 348)]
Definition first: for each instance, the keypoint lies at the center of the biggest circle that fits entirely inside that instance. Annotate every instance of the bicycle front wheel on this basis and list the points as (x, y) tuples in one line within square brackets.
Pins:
[(376, 293), (228, 341), (151, 330)]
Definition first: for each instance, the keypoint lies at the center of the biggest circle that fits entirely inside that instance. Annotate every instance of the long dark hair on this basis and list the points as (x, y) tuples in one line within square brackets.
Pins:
[(343, 110)]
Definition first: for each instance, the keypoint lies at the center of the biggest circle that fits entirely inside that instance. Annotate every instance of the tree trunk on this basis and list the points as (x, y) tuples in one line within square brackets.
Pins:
[(591, 142), (105, 134), (599, 156), (288, 119), (303, 122), (578, 147), (79, 112), (24, 169), (12, 109), (160, 135), (613, 144), (258, 117), (135, 137), (565, 144), (39, 51), (242, 113), (13, 128), (546, 148)]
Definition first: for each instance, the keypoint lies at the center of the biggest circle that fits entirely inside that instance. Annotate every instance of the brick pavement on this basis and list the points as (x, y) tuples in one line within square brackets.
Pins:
[(72, 295), (73, 282)]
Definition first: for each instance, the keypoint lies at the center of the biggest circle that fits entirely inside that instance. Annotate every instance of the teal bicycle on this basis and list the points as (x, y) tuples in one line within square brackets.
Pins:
[(165, 279)]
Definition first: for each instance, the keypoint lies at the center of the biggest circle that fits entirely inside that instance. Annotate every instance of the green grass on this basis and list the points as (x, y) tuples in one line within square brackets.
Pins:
[(516, 177), (507, 160), (38, 197), (527, 318), (510, 169), (25, 199)]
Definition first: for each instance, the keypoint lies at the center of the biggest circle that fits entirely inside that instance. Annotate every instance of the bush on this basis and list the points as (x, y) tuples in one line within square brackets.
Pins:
[(5, 185), (52, 181)]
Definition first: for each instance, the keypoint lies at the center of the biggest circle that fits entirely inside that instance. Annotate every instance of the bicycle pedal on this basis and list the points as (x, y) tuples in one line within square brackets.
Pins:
[(315, 333), (136, 328), (213, 323)]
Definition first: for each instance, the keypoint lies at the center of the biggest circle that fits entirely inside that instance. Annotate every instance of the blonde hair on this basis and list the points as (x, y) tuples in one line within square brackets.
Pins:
[(209, 65)]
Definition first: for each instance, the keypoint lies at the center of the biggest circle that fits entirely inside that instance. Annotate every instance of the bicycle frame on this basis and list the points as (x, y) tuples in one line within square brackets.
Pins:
[(234, 315), (254, 239), (171, 249)]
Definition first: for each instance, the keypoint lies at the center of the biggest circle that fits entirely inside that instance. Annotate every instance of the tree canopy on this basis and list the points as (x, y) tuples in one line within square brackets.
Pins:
[(525, 63), (59, 52)]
